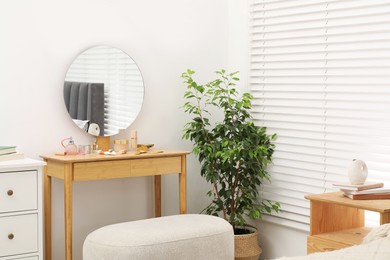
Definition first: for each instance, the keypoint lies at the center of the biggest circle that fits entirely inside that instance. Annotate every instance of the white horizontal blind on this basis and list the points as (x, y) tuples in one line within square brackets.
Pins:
[(320, 74), (123, 84)]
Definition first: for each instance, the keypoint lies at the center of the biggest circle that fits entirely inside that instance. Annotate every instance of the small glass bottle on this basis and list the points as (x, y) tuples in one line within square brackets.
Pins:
[(94, 146)]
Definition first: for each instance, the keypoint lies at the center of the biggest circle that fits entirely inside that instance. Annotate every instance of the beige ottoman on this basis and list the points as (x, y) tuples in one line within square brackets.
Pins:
[(192, 236)]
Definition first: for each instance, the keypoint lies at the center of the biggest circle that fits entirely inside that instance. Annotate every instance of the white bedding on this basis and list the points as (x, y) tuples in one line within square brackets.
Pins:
[(376, 246)]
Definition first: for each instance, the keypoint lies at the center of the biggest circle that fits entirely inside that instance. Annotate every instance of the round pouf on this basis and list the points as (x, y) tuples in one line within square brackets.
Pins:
[(191, 236)]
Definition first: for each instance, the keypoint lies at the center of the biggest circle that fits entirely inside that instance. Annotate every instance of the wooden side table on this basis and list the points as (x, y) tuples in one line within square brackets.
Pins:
[(337, 221)]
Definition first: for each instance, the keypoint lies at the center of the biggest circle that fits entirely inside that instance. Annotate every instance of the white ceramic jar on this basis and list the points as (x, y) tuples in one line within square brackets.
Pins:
[(357, 172)]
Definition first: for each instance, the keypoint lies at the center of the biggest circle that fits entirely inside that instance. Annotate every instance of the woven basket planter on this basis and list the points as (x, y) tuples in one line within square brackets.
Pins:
[(246, 246)]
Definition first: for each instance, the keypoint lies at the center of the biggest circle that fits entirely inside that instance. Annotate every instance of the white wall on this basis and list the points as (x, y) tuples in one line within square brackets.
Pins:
[(39, 40)]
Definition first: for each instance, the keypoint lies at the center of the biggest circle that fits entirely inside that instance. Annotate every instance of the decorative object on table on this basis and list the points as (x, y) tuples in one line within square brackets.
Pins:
[(109, 152), (145, 148), (234, 153), (147, 145), (133, 138), (149, 152), (61, 153), (357, 172), (70, 147), (84, 149), (94, 129), (121, 145), (94, 147), (142, 149), (103, 142)]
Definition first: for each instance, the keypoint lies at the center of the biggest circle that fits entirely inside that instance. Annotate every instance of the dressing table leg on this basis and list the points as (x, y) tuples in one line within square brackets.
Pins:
[(157, 195), (47, 204), (68, 210), (182, 186)]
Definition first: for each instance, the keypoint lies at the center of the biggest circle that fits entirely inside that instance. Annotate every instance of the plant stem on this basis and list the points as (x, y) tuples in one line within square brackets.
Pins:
[(209, 141)]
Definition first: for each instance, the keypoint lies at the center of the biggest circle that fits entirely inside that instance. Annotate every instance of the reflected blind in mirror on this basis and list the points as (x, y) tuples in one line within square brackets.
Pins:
[(123, 84), (320, 75)]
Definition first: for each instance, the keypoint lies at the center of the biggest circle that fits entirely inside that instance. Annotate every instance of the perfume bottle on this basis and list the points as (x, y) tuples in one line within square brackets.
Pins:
[(94, 146), (70, 148), (133, 138)]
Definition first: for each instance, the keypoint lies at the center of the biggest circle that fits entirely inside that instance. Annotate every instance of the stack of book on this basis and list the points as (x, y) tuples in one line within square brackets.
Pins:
[(366, 191), (9, 153)]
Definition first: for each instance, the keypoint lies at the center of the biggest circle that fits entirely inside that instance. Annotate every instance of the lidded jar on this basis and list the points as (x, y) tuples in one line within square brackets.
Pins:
[(121, 145)]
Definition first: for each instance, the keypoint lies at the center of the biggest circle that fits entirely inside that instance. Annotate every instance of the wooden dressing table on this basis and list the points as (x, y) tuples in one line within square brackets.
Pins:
[(99, 167)]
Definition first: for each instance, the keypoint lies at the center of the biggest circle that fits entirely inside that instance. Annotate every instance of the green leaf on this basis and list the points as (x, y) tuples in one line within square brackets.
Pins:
[(234, 152)]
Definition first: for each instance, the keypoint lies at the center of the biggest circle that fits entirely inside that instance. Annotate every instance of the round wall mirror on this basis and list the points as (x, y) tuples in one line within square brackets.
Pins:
[(103, 91)]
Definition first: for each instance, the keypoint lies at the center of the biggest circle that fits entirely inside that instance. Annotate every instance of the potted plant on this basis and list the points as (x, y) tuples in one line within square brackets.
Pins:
[(233, 153)]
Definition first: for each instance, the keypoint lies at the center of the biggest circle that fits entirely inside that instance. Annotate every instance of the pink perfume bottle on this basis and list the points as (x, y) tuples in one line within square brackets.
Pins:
[(70, 148)]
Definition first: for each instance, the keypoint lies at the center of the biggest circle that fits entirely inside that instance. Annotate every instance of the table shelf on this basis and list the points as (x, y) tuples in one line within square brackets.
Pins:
[(337, 221)]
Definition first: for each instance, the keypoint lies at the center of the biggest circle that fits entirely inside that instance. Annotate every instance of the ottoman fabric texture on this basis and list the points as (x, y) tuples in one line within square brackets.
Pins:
[(191, 236)]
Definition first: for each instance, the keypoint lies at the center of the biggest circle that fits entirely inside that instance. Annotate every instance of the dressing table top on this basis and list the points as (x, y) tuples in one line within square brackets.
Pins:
[(128, 155)]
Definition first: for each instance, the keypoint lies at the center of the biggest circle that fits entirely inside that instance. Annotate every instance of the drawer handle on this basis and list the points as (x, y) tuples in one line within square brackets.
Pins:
[(11, 236), (10, 192)]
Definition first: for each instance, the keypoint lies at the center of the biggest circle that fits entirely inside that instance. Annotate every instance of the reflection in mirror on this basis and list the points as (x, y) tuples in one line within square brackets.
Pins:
[(103, 91)]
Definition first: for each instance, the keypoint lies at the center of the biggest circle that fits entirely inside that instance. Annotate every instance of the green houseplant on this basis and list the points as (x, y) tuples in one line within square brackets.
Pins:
[(233, 153)]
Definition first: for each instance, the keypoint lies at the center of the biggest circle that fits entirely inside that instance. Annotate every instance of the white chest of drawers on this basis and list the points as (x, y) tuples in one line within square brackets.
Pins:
[(21, 210)]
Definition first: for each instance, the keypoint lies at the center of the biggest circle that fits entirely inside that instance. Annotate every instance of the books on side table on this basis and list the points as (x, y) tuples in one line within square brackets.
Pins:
[(366, 191), (9, 153), (351, 187)]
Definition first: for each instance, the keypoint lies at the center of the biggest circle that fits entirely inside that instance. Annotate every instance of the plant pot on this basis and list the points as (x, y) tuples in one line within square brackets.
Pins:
[(246, 246)]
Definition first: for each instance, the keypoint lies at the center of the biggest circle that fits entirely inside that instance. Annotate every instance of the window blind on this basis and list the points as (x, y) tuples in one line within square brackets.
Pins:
[(123, 84), (320, 75)]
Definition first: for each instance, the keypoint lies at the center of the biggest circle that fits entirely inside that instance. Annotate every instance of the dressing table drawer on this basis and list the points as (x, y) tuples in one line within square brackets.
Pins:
[(18, 191), (126, 168), (167, 165), (18, 234), (101, 170)]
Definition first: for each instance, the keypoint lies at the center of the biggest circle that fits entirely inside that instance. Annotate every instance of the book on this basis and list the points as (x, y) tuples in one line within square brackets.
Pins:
[(377, 196), (7, 149), (351, 187), (11, 156), (370, 191)]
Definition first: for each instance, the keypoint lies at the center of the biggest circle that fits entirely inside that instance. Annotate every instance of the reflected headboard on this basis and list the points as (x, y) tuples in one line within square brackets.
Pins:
[(85, 101)]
